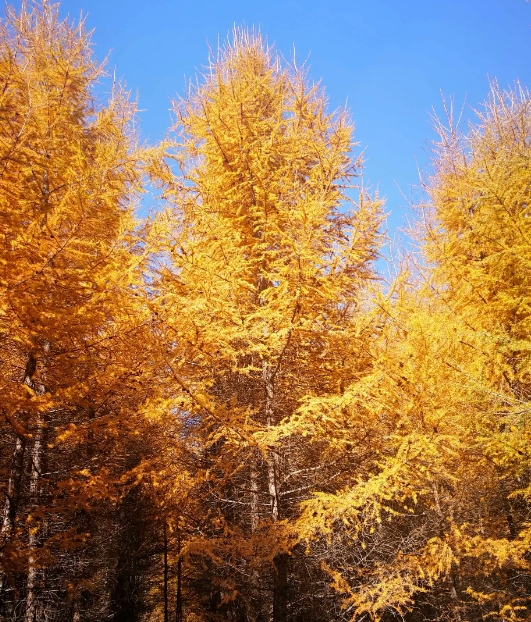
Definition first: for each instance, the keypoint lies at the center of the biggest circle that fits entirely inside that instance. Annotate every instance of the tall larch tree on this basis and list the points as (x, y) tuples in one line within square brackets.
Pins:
[(266, 254), (478, 240), (440, 522), (70, 327)]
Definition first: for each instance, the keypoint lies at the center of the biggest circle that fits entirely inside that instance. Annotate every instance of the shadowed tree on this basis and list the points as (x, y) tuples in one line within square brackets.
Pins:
[(70, 323)]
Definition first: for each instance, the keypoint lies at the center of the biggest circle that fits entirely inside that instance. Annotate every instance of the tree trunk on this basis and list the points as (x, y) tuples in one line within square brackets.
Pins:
[(272, 459), (17, 464), (11, 500), (83, 596), (280, 575), (166, 617), (280, 588), (253, 484), (37, 456), (37, 462), (13, 489), (513, 532), (179, 600)]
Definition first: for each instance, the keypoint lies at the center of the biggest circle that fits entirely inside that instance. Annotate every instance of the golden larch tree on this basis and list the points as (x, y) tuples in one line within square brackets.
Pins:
[(69, 174), (440, 521), (261, 291)]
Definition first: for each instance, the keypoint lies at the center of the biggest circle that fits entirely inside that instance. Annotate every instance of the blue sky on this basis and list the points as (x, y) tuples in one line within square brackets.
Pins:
[(390, 59)]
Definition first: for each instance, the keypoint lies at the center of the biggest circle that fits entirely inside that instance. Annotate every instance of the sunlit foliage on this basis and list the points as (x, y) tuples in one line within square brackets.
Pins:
[(220, 412)]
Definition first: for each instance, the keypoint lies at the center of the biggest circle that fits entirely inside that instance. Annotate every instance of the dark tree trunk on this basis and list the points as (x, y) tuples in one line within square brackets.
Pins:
[(280, 569), (179, 600), (166, 616), (11, 503), (13, 489), (280, 588)]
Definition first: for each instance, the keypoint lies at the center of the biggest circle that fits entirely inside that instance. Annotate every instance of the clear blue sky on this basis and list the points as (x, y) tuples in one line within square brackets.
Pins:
[(389, 58)]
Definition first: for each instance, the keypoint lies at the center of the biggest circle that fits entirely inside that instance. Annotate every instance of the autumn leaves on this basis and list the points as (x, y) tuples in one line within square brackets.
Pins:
[(227, 416), (69, 322)]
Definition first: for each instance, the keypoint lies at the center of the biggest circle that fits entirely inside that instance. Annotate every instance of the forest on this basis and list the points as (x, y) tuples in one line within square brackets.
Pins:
[(222, 410)]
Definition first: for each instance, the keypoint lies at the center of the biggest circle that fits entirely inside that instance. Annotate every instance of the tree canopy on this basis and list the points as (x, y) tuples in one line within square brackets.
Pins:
[(222, 411)]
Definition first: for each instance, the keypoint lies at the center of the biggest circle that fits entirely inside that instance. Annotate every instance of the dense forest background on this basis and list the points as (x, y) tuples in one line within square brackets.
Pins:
[(222, 411)]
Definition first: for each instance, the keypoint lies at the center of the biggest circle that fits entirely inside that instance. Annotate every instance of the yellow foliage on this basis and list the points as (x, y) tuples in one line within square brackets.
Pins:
[(446, 403)]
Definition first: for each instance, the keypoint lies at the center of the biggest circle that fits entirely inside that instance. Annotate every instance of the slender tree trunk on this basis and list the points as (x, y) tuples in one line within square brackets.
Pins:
[(84, 522), (272, 459), (272, 479), (280, 579), (37, 456), (15, 477), (11, 500), (90, 435), (17, 464), (179, 600), (37, 464), (13, 489), (280, 588), (253, 484), (513, 532), (454, 596), (166, 617), (453, 577)]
